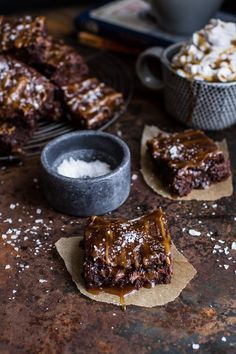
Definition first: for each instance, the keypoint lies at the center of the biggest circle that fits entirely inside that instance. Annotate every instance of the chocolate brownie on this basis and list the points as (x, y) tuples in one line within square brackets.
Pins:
[(59, 62), (90, 102), (26, 38), (122, 255), (21, 32), (188, 160), (25, 93), (14, 134)]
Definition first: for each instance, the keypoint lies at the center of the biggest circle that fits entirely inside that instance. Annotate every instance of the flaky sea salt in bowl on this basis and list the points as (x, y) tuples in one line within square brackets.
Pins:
[(86, 173)]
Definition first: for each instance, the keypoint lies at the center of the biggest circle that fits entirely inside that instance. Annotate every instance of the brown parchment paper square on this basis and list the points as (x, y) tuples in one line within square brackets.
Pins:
[(183, 272), (148, 170)]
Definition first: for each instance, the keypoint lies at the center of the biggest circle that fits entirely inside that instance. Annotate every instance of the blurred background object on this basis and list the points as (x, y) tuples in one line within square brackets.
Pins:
[(183, 16), (16, 5), (13, 6), (133, 30)]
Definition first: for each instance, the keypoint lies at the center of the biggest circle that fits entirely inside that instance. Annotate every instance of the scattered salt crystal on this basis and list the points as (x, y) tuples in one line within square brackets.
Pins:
[(195, 346), (9, 221), (214, 206), (82, 169), (221, 241), (119, 133), (173, 152), (7, 266), (226, 266), (226, 250), (38, 211), (14, 291), (194, 232), (233, 247), (39, 221), (134, 177), (43, 281), (223, 339), (217, 247), (12, 206), (35, 180)]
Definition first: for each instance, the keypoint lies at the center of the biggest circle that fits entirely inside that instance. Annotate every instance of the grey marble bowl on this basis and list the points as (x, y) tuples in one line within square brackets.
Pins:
[(86, 196)]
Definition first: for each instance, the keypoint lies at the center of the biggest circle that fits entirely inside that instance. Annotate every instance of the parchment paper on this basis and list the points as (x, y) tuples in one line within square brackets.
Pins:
[(148, 170), (183, 272)]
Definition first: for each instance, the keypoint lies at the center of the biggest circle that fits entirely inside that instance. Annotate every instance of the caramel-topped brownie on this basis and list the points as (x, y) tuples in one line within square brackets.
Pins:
[(26, 38), (188, 160), (91, 103), (25, 93), (14, 134), (21, 32), (123, 255), (59, 62)]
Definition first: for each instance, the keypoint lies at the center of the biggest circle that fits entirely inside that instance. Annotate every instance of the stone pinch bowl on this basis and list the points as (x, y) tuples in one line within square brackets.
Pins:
[(91, 195)]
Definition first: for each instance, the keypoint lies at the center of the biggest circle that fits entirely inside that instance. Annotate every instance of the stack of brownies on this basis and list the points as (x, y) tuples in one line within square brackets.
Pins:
[(44, 78)]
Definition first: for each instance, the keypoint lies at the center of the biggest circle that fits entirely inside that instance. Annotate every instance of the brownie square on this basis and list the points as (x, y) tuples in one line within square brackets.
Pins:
[(19, 33), (26, 39), (25, 93), (187, 160), (61, 63), (91, 103), (14, 134), (126, 255)]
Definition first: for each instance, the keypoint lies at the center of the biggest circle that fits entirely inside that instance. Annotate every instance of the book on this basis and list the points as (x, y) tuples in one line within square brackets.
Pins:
[(95, 41), (129, 22)]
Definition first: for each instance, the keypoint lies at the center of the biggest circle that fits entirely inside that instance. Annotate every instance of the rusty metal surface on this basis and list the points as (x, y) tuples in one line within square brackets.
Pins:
[(41, 311)]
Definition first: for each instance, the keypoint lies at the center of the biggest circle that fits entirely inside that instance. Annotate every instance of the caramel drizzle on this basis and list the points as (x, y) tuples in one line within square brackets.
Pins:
[(165, 236), (109, 236), (201, 146)]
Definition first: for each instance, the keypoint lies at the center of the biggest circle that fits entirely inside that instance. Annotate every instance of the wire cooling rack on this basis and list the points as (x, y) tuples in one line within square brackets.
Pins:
[(106, 68)]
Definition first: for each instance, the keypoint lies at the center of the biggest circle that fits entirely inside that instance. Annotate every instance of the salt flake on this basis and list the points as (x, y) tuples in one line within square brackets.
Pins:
[(194, 232)]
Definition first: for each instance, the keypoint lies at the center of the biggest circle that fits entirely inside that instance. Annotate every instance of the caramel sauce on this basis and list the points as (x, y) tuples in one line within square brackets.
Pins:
[(120, 292), (92, 99), (121, 243), (194, 147)]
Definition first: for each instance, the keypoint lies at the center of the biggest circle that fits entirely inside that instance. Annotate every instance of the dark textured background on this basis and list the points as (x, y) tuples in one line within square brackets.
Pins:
[(52, 317)]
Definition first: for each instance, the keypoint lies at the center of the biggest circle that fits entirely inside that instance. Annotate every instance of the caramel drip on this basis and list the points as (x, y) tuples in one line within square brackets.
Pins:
[(165, 234), (92, 99), (128, 244), (195, 148), (109, 236), (122, 301)]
